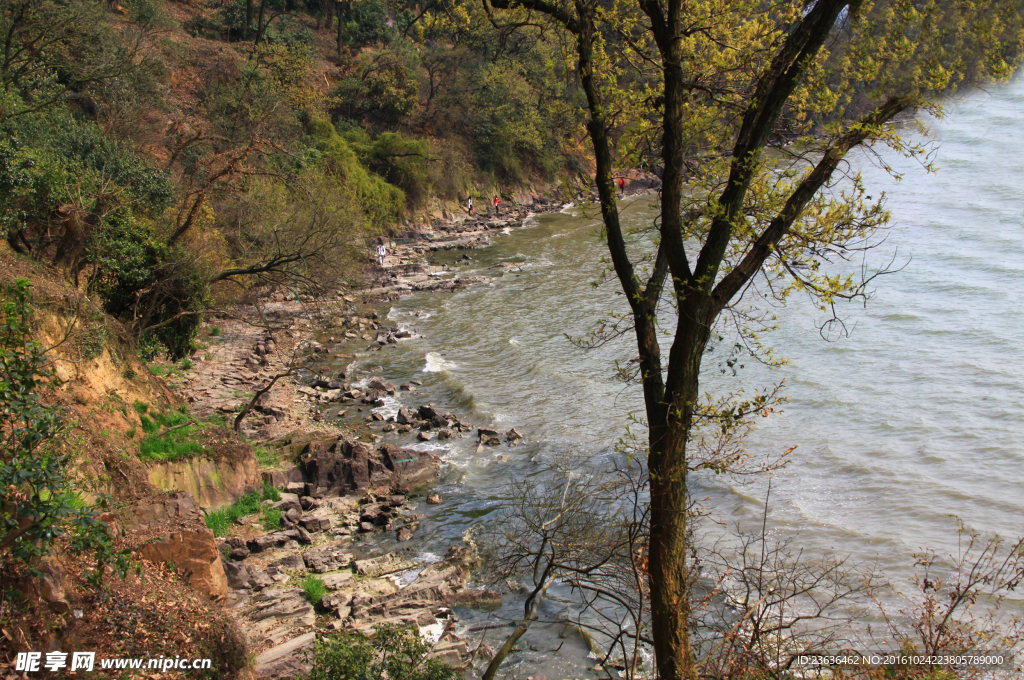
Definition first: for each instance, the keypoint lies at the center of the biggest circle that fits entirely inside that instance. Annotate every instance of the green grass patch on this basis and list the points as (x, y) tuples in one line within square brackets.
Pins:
[(313, 586), (220, 521), (266, 456), (186, 364), (141, 407), (161, 371), (271, 519), (160, 444), (214, 331)]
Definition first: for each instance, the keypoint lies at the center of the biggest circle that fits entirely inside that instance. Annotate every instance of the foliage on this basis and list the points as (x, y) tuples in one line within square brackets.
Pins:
[(380, 88), (39, 504), (395, 653), (367, 23), (221, 521), (314, 588)]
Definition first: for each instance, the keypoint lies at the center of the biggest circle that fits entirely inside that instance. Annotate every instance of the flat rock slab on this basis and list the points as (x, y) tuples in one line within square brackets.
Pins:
[(286, 660), (386, 564), (338, 580)]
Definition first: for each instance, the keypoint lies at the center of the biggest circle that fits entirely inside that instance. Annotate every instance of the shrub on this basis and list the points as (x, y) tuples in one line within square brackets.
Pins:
[(314, 588), (382, 88), (368, 24), (395, 653), (38, 504)]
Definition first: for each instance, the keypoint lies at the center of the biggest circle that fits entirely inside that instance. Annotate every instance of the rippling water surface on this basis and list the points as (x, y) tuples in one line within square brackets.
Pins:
[(916, 417)]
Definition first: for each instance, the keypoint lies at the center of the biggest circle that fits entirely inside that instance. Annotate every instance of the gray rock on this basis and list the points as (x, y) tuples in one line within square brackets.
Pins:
[(325, 559), (238, 575), (293, 562)]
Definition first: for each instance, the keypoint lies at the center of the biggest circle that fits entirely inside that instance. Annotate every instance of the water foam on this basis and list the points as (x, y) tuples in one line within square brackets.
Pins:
[(437, 364)]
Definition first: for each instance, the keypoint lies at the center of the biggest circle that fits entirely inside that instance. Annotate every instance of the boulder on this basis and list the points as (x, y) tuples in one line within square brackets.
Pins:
[(195, 555), (348, 465), (237, 575), (411, 468), (275, 478)]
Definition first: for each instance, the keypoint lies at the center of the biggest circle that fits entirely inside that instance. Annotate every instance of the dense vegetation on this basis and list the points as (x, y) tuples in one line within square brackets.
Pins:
[(155, 150)]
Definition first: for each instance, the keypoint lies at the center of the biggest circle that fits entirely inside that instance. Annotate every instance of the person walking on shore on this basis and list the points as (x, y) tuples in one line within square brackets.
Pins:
[(622, 186), (381, 253), (496, 211), (469, 205)]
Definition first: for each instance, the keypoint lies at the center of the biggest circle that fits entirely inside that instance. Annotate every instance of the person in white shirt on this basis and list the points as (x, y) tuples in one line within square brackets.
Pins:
[(381, 253), (469, 205)]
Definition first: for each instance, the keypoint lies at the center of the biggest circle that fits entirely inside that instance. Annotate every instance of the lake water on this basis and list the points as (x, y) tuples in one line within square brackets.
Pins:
[(914, 419)]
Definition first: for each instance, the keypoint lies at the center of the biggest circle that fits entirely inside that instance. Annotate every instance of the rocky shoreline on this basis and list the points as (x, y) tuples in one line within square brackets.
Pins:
[(338, 489)]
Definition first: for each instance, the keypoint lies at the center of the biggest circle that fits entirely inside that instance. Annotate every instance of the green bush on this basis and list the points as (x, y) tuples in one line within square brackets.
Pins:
[(314, 588), (368, 23), (383, 89), (393, 653)]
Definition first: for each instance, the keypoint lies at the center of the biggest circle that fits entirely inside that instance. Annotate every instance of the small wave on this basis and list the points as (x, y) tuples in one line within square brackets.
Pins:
[(437, 364), (440, 449), (568, 208), (557, 235), (389, 409), (513, 341)]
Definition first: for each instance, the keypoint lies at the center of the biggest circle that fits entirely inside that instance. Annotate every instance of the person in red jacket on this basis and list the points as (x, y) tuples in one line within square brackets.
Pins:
[(622, 185), (496, 211)]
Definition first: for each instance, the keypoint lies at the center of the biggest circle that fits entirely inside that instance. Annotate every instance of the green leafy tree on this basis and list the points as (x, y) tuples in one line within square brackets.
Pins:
[(708, 88)]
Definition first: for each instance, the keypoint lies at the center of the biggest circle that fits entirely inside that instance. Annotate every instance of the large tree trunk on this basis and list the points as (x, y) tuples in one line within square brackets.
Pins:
[(670, 596), (669, 432)]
